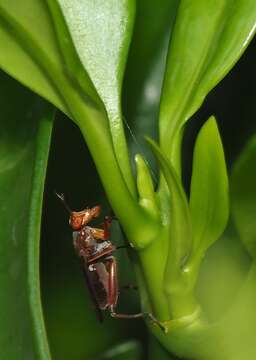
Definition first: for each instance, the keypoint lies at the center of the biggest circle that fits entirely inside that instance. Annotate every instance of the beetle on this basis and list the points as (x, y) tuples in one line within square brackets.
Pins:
[(99, 265)]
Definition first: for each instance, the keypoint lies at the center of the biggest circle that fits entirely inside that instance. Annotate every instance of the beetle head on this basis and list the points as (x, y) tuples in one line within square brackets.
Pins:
[(78, 219)]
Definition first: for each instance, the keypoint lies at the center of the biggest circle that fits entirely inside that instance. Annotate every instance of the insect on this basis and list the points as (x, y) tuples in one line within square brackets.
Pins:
[(99, 265)]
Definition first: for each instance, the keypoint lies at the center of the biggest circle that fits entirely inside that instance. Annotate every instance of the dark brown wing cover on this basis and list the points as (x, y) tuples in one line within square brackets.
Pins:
[(90, 282), (101, 279)]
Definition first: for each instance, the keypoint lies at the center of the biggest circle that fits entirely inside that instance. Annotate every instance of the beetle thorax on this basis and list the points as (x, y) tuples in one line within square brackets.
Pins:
[(86, 245)]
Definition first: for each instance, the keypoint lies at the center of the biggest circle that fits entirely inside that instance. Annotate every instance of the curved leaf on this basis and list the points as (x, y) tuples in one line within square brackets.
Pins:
[(72, 66), (34, 18), (243, 196), (180, 222), (208, 38), (92, 121), (23, 159), (209, 198), (101, 31), (42, 59)]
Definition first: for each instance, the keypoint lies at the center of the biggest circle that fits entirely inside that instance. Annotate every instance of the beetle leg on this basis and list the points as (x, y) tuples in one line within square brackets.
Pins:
[(107, 224), (124, 316), (135, 316), (112, 282), (155, 321)]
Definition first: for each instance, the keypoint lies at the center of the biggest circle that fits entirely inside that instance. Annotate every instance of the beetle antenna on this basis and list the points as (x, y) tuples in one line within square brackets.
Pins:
[(61, 197)]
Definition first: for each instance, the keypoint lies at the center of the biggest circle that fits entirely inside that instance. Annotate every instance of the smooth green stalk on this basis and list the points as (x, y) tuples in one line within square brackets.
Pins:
[(178, 301), (137, 223), (167, 285), (174, 154), (231, 338), (152, 262), (173, 151), (121, 151), (192, 338)]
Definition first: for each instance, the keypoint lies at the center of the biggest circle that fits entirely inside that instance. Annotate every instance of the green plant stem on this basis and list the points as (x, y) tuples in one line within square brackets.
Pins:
[(174, 154), (121, 151), (197, 341), (153, 272), (134, 219), (179, 301), (194, 338)]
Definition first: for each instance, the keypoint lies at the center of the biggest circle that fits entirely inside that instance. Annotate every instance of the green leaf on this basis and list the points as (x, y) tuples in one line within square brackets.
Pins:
[(106, 143), (23, 160), (33, 19), (47, 56), (208, 38), (243, 195), (72, 65), (180, 222), (209, 197), (101, 32)]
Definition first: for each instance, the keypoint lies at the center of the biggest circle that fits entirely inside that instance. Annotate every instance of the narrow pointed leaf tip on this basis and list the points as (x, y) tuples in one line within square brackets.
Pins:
[(145, 186), (180, 222), (243, 196), (209, 198)]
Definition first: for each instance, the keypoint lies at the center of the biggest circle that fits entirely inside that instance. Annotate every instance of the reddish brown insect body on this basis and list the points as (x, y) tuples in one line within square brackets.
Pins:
[(99, 264), (95, 250)]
